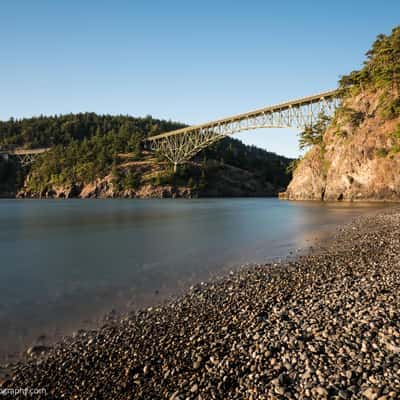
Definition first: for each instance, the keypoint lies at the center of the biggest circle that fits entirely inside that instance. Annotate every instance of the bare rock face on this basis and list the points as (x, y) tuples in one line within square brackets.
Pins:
[(308, 182), (101, 188), (55, 192), (359, 157)]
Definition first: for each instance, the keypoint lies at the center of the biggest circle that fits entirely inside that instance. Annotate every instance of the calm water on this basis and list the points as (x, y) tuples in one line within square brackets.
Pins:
[(66, 262)]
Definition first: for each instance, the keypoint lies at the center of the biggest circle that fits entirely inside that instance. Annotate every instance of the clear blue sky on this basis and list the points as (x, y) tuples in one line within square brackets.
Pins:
[(189, 61)]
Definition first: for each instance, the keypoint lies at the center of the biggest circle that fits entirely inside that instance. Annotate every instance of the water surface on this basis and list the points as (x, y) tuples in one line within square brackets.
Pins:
[(64, 263)]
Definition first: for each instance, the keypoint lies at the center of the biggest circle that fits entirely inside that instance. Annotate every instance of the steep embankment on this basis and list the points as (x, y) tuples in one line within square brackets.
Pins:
[(358, 157)]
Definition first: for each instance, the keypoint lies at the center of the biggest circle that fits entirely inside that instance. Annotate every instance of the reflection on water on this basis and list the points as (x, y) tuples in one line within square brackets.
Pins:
[(67, 261)]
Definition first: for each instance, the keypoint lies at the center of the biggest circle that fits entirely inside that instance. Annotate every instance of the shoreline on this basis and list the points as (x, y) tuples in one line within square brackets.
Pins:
[(294, 329), (249, 196), (45, 321)]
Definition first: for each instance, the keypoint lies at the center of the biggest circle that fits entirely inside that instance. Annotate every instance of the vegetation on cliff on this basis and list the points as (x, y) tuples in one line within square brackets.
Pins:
[(381, 72), (380, 75), (88, 147), (381, 68)]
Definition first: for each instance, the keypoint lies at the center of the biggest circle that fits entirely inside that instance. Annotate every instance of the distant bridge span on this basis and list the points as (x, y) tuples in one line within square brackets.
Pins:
[(180, 145), (24, 156)]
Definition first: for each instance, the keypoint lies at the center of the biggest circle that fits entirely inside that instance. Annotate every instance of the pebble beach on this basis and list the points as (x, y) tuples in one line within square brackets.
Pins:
[(325, 325)]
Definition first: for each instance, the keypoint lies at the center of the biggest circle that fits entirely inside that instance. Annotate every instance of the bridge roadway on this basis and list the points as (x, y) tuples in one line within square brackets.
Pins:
[(180, 145), (24, 152)]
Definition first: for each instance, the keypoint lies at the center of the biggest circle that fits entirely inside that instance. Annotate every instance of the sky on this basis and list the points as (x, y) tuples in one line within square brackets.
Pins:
[(188, 61)]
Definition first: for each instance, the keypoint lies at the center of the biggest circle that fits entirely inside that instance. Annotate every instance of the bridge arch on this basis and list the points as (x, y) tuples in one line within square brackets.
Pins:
[(181, 145)]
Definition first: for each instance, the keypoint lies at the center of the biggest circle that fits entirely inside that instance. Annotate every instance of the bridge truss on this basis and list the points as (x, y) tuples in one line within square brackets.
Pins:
[(180, 145)]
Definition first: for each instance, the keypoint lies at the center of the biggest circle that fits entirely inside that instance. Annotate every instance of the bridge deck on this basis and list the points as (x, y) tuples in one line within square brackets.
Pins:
[(238, 117)]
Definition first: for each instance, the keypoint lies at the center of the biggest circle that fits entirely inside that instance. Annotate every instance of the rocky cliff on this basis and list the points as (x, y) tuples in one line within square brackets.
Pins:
[(358, 156), (358, 159)]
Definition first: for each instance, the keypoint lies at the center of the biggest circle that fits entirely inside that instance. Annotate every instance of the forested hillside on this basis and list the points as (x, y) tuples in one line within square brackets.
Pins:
[(105, 153)]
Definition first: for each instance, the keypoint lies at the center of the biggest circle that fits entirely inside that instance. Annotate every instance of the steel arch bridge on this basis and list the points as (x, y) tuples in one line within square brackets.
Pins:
[(180, 145)]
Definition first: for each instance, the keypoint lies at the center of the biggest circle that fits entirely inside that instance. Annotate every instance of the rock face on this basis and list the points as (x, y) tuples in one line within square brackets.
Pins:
[(104, 188), (228, 181), (359, 158)]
